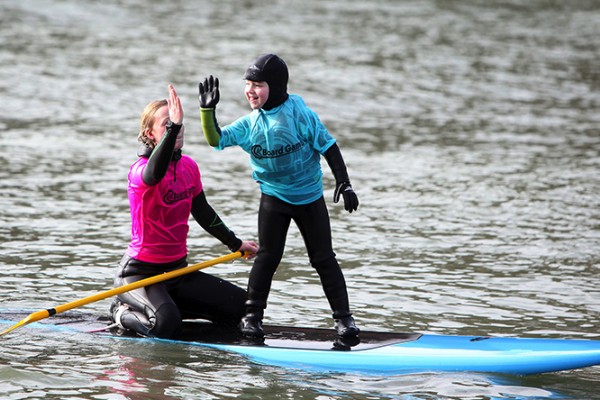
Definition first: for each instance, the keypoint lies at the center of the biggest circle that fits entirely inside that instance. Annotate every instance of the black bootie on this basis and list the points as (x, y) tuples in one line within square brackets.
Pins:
[(345, 326), (251, 324)]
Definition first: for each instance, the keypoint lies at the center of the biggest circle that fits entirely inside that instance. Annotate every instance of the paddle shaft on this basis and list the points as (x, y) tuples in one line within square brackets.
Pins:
[(38, 315)]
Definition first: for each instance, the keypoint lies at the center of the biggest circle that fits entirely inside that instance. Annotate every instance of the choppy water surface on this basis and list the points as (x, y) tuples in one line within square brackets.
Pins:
[(470, 128)]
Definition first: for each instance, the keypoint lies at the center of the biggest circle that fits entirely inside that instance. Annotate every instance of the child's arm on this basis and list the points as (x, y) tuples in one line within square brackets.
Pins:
[(209, 97), (334, 158)]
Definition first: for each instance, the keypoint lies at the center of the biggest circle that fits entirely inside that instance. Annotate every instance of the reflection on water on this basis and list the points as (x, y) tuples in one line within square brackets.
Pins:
[(470, 129)]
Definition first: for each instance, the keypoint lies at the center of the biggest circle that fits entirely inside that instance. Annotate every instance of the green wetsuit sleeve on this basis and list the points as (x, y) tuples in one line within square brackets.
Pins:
[(210, 127)]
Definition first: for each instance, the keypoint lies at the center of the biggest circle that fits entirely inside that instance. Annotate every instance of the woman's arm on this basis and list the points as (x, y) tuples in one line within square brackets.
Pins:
[(159, 160), (210, 221)]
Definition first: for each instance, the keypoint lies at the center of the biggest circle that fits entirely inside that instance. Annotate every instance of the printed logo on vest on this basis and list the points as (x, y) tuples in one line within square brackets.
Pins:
[(259, 152)]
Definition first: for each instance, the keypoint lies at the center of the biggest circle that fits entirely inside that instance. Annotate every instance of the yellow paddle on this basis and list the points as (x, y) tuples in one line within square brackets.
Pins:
[(38, 315)]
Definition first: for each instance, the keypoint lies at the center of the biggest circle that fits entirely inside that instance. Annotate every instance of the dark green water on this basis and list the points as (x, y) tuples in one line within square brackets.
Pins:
[(471, 130)]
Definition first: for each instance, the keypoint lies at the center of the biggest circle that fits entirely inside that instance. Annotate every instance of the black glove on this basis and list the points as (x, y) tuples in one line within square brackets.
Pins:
[(209, 92), (350, 198)]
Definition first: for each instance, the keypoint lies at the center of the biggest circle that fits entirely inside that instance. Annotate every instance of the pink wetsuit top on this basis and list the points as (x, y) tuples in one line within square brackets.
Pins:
[(160, 213)]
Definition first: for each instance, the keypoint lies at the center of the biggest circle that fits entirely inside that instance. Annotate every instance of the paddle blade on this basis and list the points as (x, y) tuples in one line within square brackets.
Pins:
[(35, 316)]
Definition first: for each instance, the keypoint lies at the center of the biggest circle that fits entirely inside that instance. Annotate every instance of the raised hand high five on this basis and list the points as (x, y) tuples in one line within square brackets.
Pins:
[(209, 92)]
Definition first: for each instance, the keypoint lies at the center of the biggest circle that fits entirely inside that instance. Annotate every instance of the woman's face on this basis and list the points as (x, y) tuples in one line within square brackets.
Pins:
[(161, 117), (257, 93)]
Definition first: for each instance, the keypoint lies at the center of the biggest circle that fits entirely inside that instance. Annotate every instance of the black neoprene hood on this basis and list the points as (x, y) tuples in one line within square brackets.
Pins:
[(273, 70)]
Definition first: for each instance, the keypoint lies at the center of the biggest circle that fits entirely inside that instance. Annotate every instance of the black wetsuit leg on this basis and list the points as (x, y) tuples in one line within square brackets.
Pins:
[(314, 225), (313, 222), (273, 223), (158, 309), (152, 310), (203, 296)]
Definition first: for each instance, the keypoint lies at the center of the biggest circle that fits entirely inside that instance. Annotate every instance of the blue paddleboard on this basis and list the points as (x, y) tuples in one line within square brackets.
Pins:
[(381, 353)]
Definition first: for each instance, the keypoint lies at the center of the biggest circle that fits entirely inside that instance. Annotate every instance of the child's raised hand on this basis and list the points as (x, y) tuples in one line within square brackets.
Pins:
[(208, 92)]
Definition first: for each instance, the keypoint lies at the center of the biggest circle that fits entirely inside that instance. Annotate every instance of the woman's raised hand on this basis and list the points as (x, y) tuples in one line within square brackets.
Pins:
[(175, 109)]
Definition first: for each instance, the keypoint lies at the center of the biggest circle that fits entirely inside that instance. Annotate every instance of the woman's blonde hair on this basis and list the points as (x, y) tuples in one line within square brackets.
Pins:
[(147, 120)]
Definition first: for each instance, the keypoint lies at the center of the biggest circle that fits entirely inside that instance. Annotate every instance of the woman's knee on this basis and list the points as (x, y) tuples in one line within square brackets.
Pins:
[(167, 321)]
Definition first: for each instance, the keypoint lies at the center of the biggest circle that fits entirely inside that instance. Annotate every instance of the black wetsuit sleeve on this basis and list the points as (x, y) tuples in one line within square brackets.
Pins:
[(334, 158), (208, 219), (159, 160)]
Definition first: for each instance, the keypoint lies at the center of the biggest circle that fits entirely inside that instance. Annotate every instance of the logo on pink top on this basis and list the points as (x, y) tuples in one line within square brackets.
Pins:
[(172, 197)]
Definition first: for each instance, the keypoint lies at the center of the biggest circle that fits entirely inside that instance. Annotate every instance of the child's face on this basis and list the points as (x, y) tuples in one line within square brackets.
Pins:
[(257, 93)]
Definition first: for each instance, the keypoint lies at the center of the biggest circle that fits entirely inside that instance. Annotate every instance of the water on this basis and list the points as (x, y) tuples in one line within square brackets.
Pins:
[(470, 129)]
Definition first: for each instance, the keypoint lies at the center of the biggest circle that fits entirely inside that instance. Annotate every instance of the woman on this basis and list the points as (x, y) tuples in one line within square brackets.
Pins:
[(164, 188), (285, 140)]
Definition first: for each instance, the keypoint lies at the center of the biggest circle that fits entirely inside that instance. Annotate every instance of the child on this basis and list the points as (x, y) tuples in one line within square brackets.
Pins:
[(285, 140)]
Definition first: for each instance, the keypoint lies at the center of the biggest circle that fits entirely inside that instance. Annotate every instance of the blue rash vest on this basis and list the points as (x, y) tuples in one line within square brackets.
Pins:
[(285, 146)]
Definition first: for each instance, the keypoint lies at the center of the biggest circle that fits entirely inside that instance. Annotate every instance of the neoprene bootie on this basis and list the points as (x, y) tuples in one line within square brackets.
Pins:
[(251, 325), (346, 327)]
